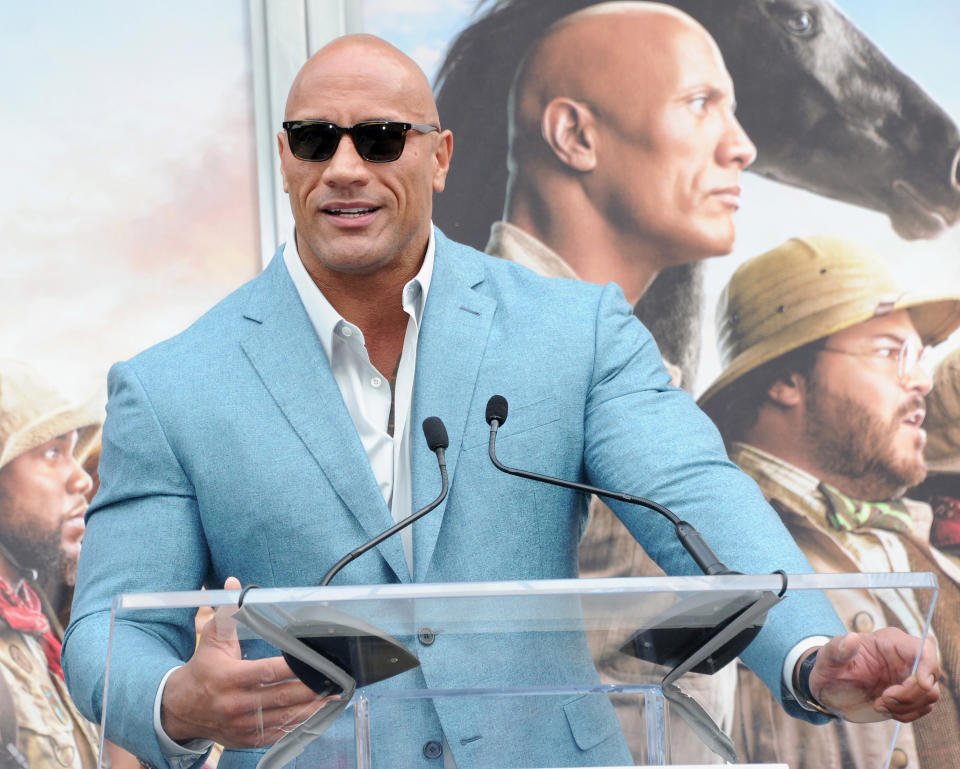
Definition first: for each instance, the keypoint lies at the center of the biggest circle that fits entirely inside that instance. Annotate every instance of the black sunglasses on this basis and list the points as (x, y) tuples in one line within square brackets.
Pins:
[(377, 141)]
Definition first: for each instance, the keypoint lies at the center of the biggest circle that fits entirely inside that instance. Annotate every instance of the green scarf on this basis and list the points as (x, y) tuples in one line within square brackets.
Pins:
[(846, 514)]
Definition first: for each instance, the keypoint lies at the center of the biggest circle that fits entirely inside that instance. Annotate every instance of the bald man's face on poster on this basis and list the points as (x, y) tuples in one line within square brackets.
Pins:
[(670, 151)]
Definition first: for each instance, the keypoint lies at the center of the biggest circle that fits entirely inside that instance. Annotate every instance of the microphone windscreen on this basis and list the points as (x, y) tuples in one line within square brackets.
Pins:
[(435, 433), (497, 409)]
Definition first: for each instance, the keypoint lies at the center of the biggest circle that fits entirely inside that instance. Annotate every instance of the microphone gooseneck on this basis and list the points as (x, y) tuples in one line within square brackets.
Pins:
[(331, 651), (436, 435), (690, 538)]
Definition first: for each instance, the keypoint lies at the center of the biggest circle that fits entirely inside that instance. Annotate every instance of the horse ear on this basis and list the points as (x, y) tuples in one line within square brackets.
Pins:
[(569, 129)]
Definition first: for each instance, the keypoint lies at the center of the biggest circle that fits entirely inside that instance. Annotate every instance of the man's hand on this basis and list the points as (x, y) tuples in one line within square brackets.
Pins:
[(238, 703), (867, 676)]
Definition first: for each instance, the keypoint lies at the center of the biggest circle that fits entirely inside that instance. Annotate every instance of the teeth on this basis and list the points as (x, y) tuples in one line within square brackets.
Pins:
[(350, 211)]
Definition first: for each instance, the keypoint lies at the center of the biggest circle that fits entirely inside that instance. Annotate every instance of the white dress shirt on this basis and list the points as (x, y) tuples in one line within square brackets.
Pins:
[(366, 391)]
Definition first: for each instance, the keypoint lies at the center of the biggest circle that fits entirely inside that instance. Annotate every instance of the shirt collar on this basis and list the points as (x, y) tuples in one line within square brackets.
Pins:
[(325, 319), (516, 245), (762, 464)]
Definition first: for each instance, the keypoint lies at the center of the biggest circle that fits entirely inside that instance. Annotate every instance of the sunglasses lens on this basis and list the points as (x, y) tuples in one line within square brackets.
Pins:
[(314, 141), (379, 142)]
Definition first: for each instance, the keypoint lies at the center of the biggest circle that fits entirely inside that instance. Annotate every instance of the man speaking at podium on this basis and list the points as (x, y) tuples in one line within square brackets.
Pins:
[(277, 433)]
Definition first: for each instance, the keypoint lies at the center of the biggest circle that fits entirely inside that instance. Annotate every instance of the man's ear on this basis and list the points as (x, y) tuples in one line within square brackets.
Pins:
[(281, 143), (788, 392), (569, 129), (442, 156)]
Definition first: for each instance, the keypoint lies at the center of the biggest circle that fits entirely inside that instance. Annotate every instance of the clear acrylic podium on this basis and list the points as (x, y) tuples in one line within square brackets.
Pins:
[(461, 634)]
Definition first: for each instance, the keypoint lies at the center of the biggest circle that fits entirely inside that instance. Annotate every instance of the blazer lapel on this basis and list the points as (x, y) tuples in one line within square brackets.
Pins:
[(453, 337), (283, 347)]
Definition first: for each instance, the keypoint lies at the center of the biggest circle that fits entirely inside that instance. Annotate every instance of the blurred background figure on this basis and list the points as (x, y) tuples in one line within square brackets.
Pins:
[(43, 439), (941, 489), (821, 401)]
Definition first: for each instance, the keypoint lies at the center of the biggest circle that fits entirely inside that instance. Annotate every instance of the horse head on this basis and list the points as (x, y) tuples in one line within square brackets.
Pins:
[(831, 114)]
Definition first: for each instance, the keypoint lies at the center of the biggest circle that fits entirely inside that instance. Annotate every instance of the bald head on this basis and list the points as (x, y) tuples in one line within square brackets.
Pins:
[(622, 133), (607, 56), (362, 203), (357, 59)]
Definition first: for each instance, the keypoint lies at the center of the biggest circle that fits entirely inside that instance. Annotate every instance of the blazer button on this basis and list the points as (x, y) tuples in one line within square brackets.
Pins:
[(426, 637), (863, 622), (432, 749), (899, 759)]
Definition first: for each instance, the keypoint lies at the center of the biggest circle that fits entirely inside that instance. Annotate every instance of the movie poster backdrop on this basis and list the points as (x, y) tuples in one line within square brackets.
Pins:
[(130, 197), (854, 118)]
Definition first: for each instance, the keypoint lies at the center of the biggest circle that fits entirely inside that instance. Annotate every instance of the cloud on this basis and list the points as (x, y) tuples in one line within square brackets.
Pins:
[(428, 57), (128, 232), (416, 8)]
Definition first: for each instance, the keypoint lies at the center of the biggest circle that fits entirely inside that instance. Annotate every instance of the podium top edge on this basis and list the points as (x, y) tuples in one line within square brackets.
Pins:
[(596, 588)]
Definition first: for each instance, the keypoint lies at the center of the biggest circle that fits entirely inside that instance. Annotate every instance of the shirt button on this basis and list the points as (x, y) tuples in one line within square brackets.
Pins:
[(863, 622), (432, 749), (346, 331), (899, 759), (376, 381), (426, 636)]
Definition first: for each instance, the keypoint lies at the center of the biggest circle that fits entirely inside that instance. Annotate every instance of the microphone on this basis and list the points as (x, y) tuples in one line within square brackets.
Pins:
[(689, 537), (436, 435), (329, 650)]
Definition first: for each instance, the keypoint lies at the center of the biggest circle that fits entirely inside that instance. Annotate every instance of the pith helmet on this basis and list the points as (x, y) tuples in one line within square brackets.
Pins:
[(32, 412), (943, 417), (810, 288)]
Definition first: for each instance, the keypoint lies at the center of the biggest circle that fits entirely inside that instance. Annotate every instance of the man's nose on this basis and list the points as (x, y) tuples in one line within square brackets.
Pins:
[(345, 165), (79, 480), (917, 377), (735, 147)]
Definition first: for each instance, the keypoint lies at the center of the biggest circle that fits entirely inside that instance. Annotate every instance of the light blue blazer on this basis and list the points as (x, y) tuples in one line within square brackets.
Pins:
[(228, 450)]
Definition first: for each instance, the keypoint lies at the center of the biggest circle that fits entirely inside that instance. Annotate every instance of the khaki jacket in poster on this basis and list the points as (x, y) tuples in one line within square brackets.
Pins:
[(39, 725), (764, 732)]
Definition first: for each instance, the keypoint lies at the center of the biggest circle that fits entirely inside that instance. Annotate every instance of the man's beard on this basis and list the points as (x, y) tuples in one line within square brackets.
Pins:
[(858, 445), (43, 552)]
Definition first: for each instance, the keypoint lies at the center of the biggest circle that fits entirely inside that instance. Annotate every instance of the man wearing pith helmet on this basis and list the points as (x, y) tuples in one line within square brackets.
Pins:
[(821, 401), (941, 489), (43, 440)]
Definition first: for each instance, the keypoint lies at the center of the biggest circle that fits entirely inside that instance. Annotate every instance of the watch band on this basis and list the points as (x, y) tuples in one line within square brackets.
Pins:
[(802, 686)]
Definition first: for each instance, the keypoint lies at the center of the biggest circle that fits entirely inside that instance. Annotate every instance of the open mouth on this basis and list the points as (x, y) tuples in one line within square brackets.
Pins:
[(914, 419), (349, 213)]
